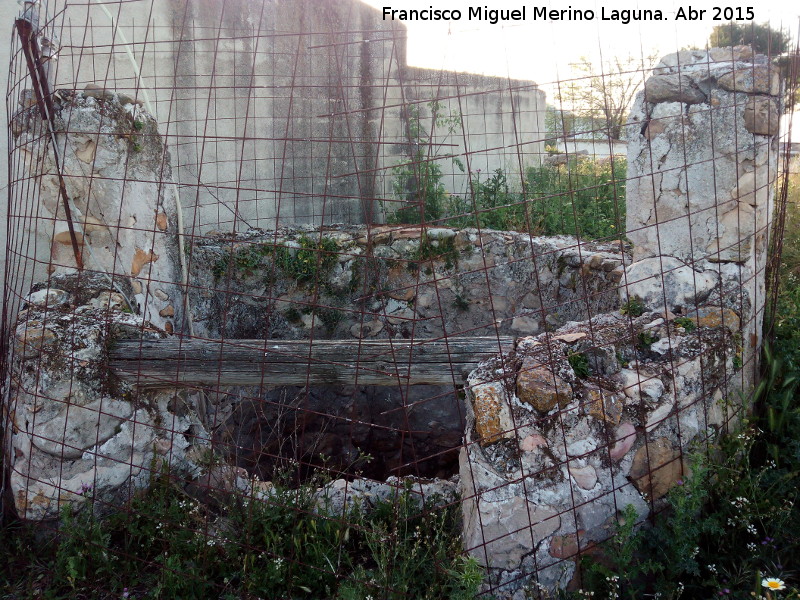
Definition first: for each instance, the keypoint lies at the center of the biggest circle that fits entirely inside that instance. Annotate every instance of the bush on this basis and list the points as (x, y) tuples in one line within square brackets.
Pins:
[(585, 198)]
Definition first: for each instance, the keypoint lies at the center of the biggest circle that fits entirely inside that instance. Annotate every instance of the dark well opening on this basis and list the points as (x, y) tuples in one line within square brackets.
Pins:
[(347, 431)]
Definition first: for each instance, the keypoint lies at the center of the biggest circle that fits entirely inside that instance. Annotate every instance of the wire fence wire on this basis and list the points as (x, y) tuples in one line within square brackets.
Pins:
[(287, 317)]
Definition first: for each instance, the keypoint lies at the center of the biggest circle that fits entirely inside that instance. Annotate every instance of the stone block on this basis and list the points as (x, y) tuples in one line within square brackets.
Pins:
[(656, 468), (672, 88), (656, 280), (542, 388), (492, 415), (761, 116), (752, 79), (499, 534)]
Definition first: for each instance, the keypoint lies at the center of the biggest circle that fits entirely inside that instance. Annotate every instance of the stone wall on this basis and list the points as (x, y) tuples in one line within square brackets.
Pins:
[(574, 426), (617, 370), (406, 282)]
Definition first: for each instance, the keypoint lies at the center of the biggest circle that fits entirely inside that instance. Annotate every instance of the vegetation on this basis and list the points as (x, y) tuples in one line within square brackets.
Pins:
[(604, 93), (579, 363), (306, 261), (168, 545), (760, 36), (585, 198), (418, 183), (633, 307)]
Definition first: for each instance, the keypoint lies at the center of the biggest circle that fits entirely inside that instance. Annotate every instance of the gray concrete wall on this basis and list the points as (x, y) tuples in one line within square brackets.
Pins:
[(283, 111)]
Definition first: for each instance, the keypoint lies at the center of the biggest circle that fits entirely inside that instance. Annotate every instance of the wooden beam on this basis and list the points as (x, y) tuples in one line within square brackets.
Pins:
[(174, 362)]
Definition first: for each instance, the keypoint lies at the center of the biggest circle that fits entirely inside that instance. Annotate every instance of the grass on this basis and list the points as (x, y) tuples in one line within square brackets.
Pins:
[(165, 544)]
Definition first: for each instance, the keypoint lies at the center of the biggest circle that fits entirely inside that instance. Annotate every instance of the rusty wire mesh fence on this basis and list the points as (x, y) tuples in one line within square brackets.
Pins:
[(276, 299)]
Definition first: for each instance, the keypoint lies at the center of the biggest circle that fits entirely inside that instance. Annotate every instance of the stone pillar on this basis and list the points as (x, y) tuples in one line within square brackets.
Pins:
[(117, 176), (582, 425), (702, 165)]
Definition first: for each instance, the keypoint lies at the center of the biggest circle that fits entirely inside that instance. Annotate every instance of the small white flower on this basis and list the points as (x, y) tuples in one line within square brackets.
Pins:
[(773, 583)]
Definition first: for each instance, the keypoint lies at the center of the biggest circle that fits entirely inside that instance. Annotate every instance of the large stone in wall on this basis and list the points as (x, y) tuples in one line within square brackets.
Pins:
[(636, 393), (117, 176)]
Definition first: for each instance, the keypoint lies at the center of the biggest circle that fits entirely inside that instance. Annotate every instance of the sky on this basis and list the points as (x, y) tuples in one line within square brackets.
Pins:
[(545, 51)]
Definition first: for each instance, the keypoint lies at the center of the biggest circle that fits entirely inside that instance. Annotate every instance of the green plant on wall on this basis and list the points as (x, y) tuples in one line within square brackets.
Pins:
[(418, 182)]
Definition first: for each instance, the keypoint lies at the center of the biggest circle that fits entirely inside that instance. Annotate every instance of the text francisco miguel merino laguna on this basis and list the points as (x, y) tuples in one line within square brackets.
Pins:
[(542, 13)]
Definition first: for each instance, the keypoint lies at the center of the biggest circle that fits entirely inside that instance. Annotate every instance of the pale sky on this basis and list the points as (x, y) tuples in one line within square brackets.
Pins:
[(544, 50)]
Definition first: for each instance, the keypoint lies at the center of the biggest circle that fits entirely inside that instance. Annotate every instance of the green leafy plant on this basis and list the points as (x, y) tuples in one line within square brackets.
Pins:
[(584, 198), (418, 182), (633, 307), (685, 322), (579, 363), (647, 338)]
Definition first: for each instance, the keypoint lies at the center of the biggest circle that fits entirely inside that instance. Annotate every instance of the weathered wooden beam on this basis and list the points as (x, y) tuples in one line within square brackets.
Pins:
[(175, 362)]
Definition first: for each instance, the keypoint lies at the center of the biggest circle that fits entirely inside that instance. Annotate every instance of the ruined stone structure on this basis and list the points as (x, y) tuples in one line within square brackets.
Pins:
[(574, 426), (623, 357)]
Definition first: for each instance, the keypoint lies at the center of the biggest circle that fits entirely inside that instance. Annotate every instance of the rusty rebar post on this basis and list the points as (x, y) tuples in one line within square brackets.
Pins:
[(25, 26)]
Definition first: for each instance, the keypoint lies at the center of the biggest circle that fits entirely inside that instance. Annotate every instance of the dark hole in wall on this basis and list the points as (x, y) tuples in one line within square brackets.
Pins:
[(346, 431)]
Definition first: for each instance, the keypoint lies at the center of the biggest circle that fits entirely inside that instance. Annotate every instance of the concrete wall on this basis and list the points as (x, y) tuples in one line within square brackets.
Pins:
[(276, 112)]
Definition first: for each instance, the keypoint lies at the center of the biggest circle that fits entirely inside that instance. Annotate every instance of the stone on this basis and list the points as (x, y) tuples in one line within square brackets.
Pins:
[(541, 388), (735, 242), (366, 329), (658, 416), (140, 259), (492, 415), (565, 546), (640, 386), (31, 341), (65, 238), (168, 311), (403, 294), (656, 468), (525, 325), (532, 443), (48, 298), (625, 436), (678, 284), (160, 294), (753, 188), (731, 53), (715, 316), (585, 477), (86, 153), (570, 338), (603, 405), (761, 116), (75, 428), (161, 221), (500, 534), (672, 88), (757, 79)]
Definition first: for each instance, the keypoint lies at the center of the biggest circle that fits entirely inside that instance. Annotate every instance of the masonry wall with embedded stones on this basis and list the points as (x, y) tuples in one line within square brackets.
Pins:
[(116, 178), (594, 410), (76, 425), (575, 425)]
